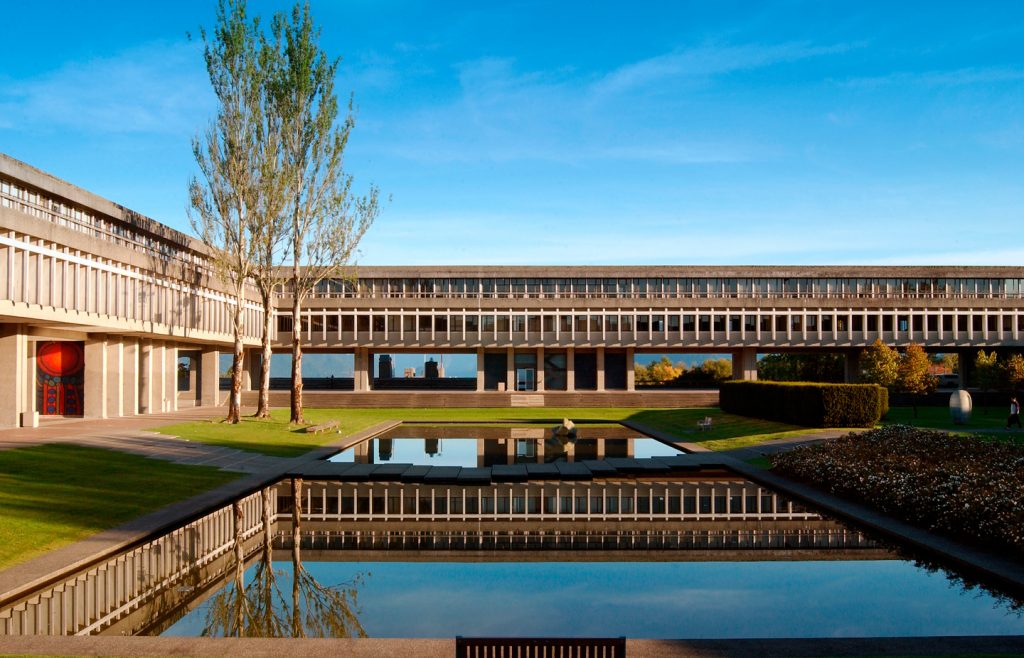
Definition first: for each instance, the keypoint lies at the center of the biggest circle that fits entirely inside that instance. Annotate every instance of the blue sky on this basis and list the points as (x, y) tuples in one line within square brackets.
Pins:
[(534, 132)]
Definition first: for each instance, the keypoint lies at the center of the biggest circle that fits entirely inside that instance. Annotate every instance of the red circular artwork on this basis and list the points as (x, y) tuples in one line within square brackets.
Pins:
[(60, 359)]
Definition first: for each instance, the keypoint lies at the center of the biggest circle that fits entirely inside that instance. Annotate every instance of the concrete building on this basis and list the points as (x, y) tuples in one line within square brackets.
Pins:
[(99, 301)]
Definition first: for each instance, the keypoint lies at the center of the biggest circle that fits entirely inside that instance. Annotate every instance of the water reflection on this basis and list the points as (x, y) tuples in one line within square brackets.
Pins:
[(484, 446), (260, 607)]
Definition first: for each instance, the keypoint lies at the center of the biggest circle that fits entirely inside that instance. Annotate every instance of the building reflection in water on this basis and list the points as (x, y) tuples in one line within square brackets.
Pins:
[(485, 446)]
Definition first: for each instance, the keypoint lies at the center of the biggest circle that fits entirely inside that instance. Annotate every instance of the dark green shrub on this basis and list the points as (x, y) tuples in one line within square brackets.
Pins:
[(808, 404)]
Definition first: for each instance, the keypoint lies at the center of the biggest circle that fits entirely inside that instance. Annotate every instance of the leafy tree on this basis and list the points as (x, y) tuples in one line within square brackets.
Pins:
[(326, 220), (1013, 372), (716, 370), (951, 360), (913, 375), (986, 370), (232, 158), (879, 364), (789, 367)]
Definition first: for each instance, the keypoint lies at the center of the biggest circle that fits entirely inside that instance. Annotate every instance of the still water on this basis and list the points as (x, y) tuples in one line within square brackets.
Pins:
[(833, 598), (481, 446)]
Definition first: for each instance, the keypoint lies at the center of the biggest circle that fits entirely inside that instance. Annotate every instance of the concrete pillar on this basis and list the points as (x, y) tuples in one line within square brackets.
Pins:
[(480, 381), (250, 363), (600, 368), (852, 372), (744, 364), (361, 375), (115, 383), (29, 403), (146, 378), (570, 369), (540, 369), (209, 378), (130, 378), (159, 374), (510, 367), (95, 403), (14, 387), (965, 366), (170, 377), (630, 372)]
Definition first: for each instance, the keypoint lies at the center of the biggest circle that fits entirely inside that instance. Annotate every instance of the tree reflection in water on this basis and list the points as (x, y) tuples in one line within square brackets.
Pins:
[(260, 608)]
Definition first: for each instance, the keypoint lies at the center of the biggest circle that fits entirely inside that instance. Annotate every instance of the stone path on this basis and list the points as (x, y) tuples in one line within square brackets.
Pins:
[(132, 436)]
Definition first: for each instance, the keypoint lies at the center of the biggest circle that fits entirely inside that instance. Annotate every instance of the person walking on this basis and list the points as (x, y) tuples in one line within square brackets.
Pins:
[(1014, 418)]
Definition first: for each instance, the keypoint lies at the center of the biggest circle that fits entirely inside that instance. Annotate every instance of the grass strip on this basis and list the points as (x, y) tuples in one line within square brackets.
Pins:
[(52, 495)]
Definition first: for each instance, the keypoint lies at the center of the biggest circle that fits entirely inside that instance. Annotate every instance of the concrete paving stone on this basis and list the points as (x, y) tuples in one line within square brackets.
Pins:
[(509, 473), (442, 474), (573, 471)]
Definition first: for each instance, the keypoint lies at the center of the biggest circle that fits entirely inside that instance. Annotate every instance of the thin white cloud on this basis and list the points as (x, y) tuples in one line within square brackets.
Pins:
[(156, 88), (707, 61), (951, 78)]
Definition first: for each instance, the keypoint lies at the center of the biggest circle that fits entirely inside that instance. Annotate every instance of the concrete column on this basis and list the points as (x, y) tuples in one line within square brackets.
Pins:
[(209, 378), (630, 372), (360, 373), (29, 403), (130, 378), (965, 366), (600, 368), (570, 369), (744, 364), (250, 361), (146, 378), (170, 377), (96, 381), (540, 369), (159, 374), (852, 373), (510, 367), (14, 386), (480, 381), (115, 383)]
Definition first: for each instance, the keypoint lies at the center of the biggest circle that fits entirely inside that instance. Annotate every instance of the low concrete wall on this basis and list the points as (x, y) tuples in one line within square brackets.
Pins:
[(342, 399)]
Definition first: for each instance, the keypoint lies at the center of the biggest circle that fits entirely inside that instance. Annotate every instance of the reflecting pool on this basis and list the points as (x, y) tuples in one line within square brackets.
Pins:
[(855, 598), (482, 446)]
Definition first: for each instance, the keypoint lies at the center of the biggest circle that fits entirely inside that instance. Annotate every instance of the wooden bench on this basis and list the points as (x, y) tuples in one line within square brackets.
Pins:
[(705, 423), (322, 427), (548, 647)]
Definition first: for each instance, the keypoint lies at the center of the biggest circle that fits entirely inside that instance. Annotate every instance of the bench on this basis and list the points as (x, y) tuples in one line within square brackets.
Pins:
[(322, 427), (705, 424), (549, 647)]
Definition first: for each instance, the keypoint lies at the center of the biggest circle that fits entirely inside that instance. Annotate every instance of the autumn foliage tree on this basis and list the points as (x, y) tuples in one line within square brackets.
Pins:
[(880, 364), (913, 374)]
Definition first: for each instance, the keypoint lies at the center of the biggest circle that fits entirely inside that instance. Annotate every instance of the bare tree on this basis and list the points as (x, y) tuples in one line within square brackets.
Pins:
[(268, 227), (327, 220), (229, 154)]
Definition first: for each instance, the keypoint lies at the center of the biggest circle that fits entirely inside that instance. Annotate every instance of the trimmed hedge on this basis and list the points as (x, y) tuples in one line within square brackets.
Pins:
[(808, 404)]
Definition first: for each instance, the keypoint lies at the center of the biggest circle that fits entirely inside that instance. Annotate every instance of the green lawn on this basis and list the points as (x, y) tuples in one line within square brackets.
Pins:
[(987, 422), (276, 437), (51, 495)]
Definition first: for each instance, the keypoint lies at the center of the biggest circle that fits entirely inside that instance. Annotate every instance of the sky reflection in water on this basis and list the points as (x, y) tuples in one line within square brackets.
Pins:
[(657, 600)]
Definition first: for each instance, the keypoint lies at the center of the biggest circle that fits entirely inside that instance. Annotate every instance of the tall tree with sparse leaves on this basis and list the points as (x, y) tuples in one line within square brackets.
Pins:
[(326, 219), (229, 153)]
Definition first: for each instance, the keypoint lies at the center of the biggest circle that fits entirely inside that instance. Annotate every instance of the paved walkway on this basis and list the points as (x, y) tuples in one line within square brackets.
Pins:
[(132, 435)]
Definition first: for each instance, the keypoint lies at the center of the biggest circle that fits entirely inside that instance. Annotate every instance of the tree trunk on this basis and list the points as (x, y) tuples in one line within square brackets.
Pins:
[(297, 630), (235, 401), (239, 517), (296, 400), (263, 406)]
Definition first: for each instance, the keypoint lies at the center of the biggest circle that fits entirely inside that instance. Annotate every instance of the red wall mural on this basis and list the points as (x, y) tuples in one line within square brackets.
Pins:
[(60, 378)]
